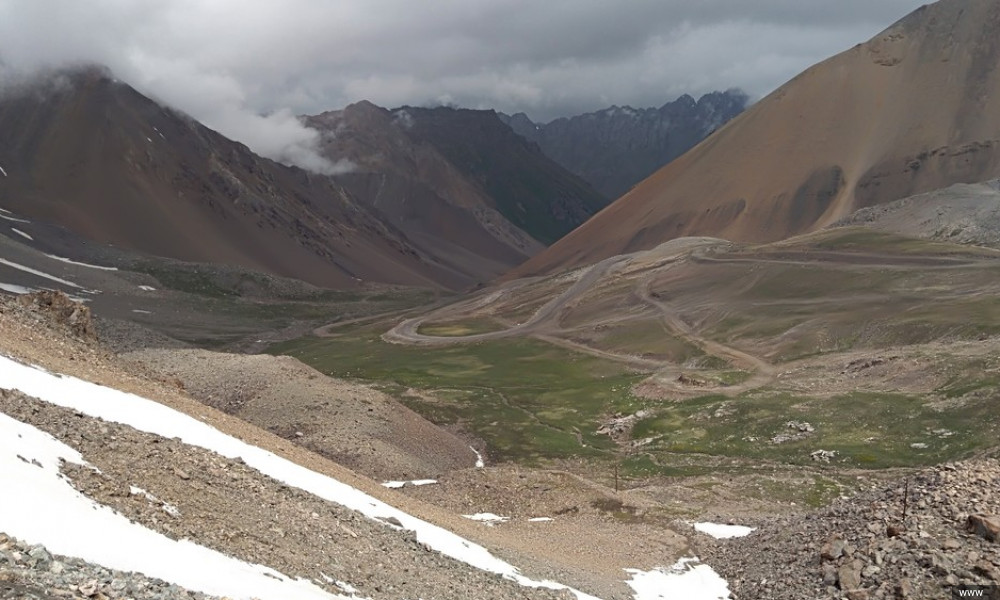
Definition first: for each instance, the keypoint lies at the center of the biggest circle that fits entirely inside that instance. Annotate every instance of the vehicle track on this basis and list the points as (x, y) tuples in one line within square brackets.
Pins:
[(544, 323)]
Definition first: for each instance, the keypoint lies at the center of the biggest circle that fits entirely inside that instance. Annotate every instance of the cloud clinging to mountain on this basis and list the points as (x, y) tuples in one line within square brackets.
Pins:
[(245, 67)]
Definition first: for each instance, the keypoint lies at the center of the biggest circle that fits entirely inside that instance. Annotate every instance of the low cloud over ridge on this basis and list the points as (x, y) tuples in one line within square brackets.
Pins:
[(247, 68)]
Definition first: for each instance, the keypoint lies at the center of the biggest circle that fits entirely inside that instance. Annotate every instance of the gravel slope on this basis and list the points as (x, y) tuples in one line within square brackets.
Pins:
[(352, 424), (863, 547)]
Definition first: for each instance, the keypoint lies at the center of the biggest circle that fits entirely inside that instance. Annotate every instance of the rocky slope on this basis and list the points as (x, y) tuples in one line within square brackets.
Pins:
[(221, 503), (917, 538), (360, 428), (961, 213), (617, 147), (904, 113)]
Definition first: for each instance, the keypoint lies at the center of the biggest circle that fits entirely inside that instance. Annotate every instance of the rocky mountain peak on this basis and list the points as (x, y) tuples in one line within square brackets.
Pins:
[(616, 147)]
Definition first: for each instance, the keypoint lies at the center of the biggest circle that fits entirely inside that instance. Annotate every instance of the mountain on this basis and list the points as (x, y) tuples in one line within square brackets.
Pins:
[(529, 189), (615, 148), (412, 186), (907, 112), (90, 153)]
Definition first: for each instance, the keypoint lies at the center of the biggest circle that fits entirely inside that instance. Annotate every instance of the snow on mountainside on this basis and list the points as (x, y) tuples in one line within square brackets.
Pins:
[(66, 514), (47, 510)]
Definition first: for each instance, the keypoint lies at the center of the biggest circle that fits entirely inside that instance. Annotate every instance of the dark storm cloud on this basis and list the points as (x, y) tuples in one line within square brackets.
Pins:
[(246, 68)]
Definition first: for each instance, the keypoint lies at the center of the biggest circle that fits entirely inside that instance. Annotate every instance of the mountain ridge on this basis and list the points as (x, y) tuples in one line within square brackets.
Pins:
[(616, 147), (96, 156), (419, 191), (898, 115), (527, 187)]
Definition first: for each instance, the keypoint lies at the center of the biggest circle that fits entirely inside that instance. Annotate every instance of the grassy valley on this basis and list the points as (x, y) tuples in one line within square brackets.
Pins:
[(701, 358)]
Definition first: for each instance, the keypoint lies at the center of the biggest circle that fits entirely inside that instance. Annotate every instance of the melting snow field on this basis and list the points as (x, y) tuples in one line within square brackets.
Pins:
[(26, 521), (686, 580), (80, 264), (42, 507), (723, 532)]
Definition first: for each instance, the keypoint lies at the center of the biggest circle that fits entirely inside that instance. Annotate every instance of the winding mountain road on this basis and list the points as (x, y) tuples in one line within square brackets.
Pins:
[(646, 267), (544, 323), (407, 332)]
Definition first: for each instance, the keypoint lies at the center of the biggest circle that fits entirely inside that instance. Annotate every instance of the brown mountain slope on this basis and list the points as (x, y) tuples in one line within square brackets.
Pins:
[(91, 154), (907, 112), (528, 188), (416, 189)]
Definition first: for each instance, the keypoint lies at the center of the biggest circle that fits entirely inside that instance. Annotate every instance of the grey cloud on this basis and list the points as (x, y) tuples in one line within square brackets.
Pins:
[(245, 68)]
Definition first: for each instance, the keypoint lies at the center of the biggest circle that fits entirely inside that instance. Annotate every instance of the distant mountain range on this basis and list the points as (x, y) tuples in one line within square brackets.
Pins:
[(617, 147), (911, 110)]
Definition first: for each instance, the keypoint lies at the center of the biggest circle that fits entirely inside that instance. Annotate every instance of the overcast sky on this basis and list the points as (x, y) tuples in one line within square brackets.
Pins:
[(246, 67)]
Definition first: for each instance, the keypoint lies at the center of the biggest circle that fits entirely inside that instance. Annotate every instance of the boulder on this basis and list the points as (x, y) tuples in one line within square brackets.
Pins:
[(62, 310), (986, 526)]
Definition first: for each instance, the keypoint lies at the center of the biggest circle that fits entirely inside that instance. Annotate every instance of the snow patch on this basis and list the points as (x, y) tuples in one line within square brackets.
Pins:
[(152, 417), (2, 171), (22, 234), (687, 579), (416, 482), (80, 264), (487, 518), (47, 510), (141, 312), (15, 289), (147, 288), (479, 459), (42, 274), (540, 519), (723, 532), (14, 219), (170, 509)]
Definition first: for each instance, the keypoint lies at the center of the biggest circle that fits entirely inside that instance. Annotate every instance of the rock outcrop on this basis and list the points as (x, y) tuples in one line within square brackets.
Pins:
[(62, 311), (915, 538)]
